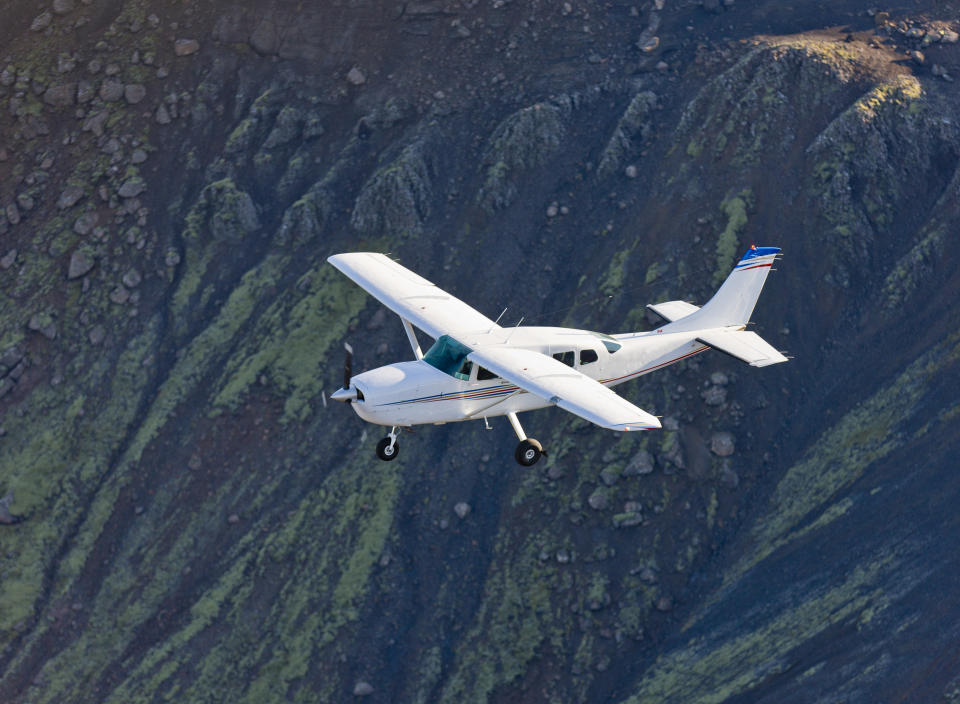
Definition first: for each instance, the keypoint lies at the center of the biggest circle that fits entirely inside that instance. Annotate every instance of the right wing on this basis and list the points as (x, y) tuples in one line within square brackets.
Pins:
[(411, 296), (746, 346), (563, 386)]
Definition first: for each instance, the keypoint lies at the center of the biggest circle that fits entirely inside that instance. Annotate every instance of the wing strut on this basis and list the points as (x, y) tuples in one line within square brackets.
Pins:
[(412, 337)]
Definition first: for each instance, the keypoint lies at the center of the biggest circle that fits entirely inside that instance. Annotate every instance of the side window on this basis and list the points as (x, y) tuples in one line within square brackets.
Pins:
[(565, 357), (587, 356), (485, 374), (465, 369)]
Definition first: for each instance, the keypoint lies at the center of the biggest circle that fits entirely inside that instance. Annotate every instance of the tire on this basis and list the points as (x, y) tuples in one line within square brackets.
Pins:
[(528, 452), (387, 453)]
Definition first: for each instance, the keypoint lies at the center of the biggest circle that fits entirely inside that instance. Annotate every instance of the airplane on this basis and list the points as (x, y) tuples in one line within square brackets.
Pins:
[(477, 369)]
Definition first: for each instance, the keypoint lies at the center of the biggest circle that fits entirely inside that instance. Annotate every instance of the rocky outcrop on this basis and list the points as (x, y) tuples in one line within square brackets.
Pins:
[(398, 198), (525, 140)]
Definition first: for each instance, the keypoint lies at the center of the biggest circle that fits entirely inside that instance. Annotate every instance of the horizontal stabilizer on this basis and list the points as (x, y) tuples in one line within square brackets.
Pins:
[(746, 346), (673, 310)]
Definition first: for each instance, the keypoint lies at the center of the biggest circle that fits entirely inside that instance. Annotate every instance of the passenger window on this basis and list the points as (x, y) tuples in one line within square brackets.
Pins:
[(485, 374), (464, 372), (587, 356), (565, 357)]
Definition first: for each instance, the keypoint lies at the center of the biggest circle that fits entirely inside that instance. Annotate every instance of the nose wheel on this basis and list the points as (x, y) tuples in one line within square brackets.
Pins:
[(388, 448), (529, 450)]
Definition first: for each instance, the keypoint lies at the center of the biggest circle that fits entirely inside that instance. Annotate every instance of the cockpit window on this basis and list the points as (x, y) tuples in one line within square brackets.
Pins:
[(588, 356), (485, 374), (449, 356), (565, 357)]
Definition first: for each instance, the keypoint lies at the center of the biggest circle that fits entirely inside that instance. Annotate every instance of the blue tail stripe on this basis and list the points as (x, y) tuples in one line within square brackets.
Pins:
[(759, 252)]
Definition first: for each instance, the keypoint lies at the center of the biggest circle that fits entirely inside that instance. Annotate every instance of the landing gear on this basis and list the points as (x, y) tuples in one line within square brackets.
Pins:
[(529, 450), (388, 449)]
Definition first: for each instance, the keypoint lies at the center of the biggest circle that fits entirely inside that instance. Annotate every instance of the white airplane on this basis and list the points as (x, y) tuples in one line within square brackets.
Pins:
[(477, 369)]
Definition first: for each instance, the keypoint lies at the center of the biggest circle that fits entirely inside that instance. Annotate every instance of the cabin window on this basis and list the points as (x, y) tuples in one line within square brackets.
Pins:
[(485, 374), (465, 369), (588, 356), (448, 355), (565, 357)]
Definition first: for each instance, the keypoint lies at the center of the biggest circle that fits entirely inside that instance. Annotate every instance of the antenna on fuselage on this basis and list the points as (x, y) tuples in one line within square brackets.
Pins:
[(514, 329)]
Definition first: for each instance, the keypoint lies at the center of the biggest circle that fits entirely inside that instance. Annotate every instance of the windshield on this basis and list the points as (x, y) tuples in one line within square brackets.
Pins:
[(447, 355), (609, 342)]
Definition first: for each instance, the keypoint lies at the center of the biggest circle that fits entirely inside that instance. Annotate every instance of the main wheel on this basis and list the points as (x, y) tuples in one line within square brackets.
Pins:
[(385, 451), (528, 452)]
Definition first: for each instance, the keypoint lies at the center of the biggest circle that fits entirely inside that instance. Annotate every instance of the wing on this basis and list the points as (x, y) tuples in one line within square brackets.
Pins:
[(409, 295), (565, 387), (746, 346)]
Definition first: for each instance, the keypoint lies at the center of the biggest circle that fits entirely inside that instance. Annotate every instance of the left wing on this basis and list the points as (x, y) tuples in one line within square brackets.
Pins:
[(563, 386), (411, 296)]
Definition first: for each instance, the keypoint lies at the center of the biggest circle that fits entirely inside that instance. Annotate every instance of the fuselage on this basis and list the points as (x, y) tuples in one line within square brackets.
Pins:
[(430, 390)]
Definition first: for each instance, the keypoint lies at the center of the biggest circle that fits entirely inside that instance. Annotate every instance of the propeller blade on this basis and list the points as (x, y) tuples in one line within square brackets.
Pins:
[(347, 365)]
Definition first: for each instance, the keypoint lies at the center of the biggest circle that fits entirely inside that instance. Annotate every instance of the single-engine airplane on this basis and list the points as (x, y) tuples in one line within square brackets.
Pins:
[(477, 369)]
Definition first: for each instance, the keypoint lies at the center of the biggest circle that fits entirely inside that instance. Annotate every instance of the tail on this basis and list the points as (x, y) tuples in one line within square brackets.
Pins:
[(733, 303)]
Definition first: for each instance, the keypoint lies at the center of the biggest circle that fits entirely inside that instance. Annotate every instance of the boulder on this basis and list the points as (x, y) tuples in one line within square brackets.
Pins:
[(111, 90), (62, 7), (97, 334), (132, 187), (722, 444), (85, 223), (362, 689), (134, 93), (85, 92), (163, 115), (641, 463), (714, 395), (43, 323), (599, 500), (8, 259), (719, 379), (355, 77), (186, 47), (11, 357), (132, 278), (41, 21), (60, 95), (462, 509), (266, 37), (95, 122), (80, 264)]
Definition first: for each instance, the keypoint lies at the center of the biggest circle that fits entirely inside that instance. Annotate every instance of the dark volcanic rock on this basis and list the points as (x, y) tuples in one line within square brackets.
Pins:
[(516, 154), (80, 263)]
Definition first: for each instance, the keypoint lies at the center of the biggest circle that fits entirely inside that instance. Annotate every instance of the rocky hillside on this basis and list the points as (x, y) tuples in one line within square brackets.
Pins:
[(184, 518)]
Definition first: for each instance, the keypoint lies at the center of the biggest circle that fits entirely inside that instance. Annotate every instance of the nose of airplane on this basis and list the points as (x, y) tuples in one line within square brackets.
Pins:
[(345, 395)]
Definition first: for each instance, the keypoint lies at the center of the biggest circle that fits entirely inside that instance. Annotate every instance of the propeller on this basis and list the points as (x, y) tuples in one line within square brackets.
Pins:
[(347, 365), (346, 394)]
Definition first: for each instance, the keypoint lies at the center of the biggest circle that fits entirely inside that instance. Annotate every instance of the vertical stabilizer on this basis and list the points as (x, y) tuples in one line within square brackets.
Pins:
[(733, 303)]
